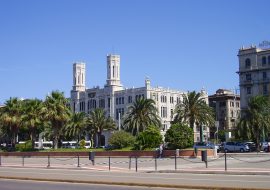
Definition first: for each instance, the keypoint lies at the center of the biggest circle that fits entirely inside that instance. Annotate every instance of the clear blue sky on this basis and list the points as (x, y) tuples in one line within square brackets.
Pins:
[(179, 44)]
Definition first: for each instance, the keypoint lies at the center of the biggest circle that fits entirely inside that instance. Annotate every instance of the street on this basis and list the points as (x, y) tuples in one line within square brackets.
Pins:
[(34, 185), (142, 179)]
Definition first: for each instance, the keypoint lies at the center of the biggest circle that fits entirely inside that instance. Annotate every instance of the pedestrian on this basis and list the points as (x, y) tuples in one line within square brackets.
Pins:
[(160, 150)]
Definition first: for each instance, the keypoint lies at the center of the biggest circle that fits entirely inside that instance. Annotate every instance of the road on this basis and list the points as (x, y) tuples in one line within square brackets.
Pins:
[(34, 185), (144, 179)]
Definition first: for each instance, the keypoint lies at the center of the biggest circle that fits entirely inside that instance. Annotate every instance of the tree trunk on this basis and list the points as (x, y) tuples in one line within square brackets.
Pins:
[(99, 138), (33, 138)]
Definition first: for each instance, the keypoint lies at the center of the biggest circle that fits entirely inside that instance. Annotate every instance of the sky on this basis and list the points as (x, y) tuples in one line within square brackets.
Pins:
[(179, 44)]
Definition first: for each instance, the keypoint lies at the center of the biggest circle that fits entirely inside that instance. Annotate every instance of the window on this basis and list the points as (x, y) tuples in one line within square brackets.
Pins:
[(265, 89), (123, 100), (263, 61), (130, 99), (237, 104), (232, 104), (248, 77), (248, 90), (247, 63), (232, 114), (171, 99), (264, 75), (101, 103), (109, 102), (268, 60)]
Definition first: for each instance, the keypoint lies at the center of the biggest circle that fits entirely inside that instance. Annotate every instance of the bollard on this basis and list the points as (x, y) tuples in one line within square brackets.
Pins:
[(109, 163), (155, 163), (177, 152), (136, 163), (129, 165), (225, 161), (204, 157), (0, 161), (23, 161), (49, 163), (78, 165), (175, 162)]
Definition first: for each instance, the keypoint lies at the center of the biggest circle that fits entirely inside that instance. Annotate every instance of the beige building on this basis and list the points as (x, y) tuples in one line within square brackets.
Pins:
[(227, 109), (115, 99), (254, 71)]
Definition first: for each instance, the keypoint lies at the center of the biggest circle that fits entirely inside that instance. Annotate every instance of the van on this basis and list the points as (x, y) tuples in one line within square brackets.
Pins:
[(235, 147)]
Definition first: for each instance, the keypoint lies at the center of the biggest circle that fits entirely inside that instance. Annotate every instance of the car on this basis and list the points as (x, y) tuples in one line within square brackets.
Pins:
[(265, 146), (251, 145), (206, 145), (236, 147)]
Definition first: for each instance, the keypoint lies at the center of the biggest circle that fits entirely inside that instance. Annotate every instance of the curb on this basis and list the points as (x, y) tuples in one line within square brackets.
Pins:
[(127, 184), (211, 172)]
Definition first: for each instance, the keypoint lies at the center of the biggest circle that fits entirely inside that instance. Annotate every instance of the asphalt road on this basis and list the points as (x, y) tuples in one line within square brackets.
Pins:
[(36, 185), (148, 179)]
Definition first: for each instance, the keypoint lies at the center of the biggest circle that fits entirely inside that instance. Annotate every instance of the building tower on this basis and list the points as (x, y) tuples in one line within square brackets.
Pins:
[(79, 76), (113, 70)]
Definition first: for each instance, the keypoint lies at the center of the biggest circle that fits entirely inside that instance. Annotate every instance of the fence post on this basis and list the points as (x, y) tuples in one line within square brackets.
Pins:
[(78, 165), (225, 161), (129, 166), (155, 163), (109, 163), (136, 163), (175, 162), (49, 162)]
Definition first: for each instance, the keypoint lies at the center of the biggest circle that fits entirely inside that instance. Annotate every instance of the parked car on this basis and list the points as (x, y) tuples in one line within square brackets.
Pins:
[(206, 145), (251, 145), (265, 146), (236, 147)]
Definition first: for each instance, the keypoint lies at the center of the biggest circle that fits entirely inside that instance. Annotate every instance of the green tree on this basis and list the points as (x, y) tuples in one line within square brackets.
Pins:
[(149, 138), (255, 120), (179, 136), (55, 111), (32, 117), (194, 110), (97, 122), (141, 114), (11, 117), (121, 139), (76, 127)]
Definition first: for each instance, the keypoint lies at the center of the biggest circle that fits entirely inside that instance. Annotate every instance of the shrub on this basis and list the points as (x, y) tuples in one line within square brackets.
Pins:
[(82, 143), (150, 138), (27, 146), (179, 136), (121, 139)]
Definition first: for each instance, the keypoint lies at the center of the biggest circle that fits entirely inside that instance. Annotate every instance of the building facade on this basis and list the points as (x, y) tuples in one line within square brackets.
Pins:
[(115, 99), (254, 72), (227, 110)]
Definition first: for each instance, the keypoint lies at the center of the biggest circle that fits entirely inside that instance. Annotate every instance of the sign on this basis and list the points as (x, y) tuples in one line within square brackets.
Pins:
[(264, 45)]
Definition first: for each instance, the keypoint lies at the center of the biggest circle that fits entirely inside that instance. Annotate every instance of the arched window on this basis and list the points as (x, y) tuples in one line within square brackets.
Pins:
[(263, 61), (247, 63)]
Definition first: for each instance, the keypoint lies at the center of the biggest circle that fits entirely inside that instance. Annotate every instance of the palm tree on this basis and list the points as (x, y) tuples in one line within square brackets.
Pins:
[(98, 122), (140, 115), (32, 117), (11, 117), (55, 111), (194, 110), (255, 120), (76, 126)]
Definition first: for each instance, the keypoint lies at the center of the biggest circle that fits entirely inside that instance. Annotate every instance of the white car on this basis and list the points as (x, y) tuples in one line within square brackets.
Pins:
[(265, 146), (236, 147)]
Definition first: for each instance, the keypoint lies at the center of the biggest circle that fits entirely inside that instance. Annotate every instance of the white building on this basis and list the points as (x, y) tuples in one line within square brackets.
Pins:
[(254, 72), (115, 99)]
